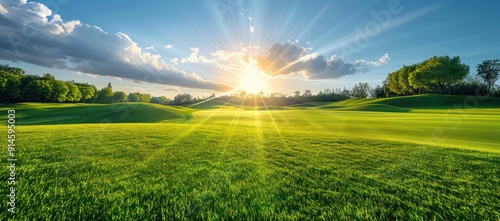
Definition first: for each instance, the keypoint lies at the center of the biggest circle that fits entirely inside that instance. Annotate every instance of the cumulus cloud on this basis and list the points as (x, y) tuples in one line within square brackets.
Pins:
[(29, 32), (169, 46), (175, 60), (194, 57), (252, 29), (288, 58)]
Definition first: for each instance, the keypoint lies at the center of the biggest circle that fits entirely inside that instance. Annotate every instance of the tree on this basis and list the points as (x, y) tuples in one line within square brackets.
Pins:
[(59, 90), (376, 92), (418, 81), (345, 92), (488, 71), (360, 90), (87, 91), (119, 96), (105, 96), (443, 71), (144, 97), (160, 100), (307, 93), (40, 89), (393, 83), (297, 93), (403, 79), (12, 70), (9, 86), (74, 93), (261, 94), (48, 77), (182, 99), (132, 97)]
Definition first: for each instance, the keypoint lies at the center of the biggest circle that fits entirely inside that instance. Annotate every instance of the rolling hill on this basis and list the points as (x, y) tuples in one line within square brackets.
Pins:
[(405, 104), (46, 114)]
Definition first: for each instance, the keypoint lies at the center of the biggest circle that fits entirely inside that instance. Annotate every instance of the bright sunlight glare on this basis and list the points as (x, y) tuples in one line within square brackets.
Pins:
[(253, 80)]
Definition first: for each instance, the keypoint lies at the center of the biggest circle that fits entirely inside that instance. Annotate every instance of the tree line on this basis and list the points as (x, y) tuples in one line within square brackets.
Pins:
[(443, 75), (17, 86)]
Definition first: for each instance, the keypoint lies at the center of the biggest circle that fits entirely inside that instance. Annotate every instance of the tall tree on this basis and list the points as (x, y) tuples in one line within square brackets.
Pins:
[(403, 79), (443, 71), (297, 93), (488, 71), (87, 91), (105, 96), (393, 83), (59, 90), (307, 93), (9, 86), (360, 90), (74, 94), (41, 89)]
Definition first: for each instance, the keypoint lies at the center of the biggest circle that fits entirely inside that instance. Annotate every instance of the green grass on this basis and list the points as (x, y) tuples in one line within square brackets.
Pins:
[(44, 114), (210, 104), (475, 129), (246, 163), (211, 172), (371, 107), (427, 101)]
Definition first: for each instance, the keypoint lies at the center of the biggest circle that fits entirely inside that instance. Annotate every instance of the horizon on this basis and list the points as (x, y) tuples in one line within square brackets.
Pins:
[(169, 48)]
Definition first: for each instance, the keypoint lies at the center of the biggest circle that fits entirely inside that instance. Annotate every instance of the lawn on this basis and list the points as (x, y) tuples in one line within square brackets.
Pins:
[(239, 163)]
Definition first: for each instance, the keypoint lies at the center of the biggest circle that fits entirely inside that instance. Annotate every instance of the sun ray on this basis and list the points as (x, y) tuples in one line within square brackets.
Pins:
[(275, 125)]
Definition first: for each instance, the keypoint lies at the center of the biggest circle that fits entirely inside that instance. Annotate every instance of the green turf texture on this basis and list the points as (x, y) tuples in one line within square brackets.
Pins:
[(253, 163)]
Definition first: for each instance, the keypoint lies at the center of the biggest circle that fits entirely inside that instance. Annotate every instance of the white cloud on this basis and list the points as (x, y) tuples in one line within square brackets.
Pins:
[(3, 11), (250, 18), (288, 59), (252, 29), (92, 75), (175, 60), (55, 43), (169, 46), (151, 48), (194, 57)]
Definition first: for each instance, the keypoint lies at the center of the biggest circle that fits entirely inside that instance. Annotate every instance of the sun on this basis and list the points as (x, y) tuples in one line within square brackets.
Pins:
[(253, 80)]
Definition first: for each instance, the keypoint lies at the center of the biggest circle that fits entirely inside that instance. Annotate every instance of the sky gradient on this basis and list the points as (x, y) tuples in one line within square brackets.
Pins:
[(201, 47)]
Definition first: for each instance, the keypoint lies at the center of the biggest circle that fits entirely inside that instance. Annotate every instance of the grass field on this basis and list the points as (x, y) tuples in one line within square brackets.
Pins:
[(353, 160)]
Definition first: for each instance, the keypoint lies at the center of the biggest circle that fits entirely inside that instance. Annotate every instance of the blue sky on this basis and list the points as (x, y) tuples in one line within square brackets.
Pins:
[(201, 47)]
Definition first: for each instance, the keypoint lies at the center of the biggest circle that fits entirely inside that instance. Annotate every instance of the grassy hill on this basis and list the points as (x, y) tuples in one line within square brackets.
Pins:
[(429, 101), (209, 104), (46, 114)]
